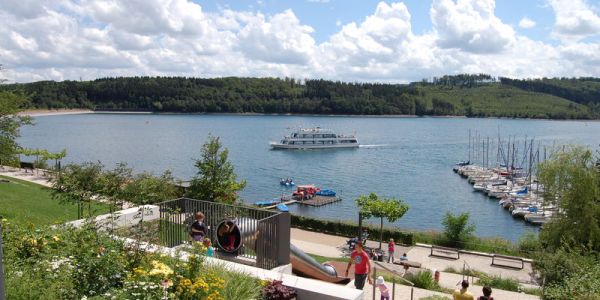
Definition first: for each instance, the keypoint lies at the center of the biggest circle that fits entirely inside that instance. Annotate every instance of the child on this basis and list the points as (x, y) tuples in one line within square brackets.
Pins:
[(403, 257), (391, 248), (198, 229), (385, 292), (210, 251)]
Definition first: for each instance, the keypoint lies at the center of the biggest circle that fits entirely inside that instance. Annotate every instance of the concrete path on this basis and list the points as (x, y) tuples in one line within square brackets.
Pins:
[(475, 262), (36, 176)]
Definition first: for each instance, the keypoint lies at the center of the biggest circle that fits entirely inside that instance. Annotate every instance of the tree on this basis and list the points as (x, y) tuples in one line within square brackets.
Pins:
[(114, 184), (373, 206), (148, 189), (78, 184), (571, 182), (215, 179), (10, 123), (457, 228)]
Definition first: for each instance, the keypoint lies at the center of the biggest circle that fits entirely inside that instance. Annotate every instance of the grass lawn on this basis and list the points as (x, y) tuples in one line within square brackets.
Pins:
[(23, 203)]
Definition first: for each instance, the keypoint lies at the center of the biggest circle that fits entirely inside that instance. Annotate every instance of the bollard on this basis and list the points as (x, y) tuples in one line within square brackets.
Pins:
[(412, 293)]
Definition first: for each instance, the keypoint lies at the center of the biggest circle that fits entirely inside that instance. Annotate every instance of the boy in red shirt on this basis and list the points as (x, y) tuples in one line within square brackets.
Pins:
[(362, 266)]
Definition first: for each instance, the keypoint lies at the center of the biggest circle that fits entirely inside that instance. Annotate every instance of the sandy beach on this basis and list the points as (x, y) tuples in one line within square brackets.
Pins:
[(53, 112)]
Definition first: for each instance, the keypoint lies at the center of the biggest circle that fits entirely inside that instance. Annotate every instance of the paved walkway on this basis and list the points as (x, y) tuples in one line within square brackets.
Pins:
[(36, 176)]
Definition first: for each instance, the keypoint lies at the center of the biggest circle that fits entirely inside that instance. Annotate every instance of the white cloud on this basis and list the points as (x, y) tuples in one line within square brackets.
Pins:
[(470, 25), (526, 23), (68, 39), (575, 19)]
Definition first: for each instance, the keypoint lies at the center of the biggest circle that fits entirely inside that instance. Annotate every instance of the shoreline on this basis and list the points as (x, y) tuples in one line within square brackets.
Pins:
[(53, 112), (57, 112)]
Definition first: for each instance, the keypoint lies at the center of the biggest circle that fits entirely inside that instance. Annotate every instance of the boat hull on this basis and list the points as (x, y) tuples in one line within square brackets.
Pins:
[(337, 146)]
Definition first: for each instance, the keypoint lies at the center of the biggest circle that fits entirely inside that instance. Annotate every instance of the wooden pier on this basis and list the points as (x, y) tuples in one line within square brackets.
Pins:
[(320, 201)]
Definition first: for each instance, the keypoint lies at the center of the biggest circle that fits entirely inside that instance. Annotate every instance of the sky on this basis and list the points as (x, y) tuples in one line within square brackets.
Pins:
[(348, 40)]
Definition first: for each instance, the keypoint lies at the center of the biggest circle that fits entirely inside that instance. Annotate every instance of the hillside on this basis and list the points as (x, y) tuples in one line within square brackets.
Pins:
[(472, 95)]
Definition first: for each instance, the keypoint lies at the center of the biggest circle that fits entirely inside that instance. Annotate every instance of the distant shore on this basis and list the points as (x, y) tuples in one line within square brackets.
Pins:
[(54, 112)]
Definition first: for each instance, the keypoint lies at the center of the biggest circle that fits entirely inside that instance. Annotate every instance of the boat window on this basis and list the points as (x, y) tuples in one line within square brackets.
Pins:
[(295, 135), (291, 143)]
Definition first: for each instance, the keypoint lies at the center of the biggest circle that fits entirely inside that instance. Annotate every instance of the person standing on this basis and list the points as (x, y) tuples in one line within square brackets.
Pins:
[(463, 294), (362, 266), (391, 248), (198, 228)]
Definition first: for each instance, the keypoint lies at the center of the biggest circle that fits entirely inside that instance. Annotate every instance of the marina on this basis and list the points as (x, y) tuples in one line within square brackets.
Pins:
[(511, 179)]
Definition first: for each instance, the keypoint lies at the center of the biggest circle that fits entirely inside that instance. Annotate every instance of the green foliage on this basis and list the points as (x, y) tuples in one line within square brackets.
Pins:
[(373, 206), (463, 94), (348, 229), (77, 184), (424, 280), (507, 284), (581, 284), (529, 243), (10, 123), (215, 179), (457, 229), (75, 263), (146, 188), (572, 183)]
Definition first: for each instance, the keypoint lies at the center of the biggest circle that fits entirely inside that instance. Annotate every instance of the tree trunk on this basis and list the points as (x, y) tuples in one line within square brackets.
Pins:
[(359, 226), (380, 233)]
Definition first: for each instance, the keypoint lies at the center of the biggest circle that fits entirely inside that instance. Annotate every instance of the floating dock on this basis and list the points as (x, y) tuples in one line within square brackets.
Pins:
[(320, 200), (288, 202)]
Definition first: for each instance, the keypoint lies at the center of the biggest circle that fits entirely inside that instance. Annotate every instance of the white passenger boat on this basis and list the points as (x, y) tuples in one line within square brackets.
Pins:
[(316, 138)]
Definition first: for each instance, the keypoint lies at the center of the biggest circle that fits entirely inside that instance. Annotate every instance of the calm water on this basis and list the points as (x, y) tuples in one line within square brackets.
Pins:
[(407, 158)]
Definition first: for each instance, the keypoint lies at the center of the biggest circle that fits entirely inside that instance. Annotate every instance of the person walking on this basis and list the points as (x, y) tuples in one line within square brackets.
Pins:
[(362, 266), (463, 294), (383, 289), (391, 248)]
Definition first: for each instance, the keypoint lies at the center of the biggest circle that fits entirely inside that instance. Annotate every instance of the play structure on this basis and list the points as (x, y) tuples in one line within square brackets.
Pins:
[(233, 234)]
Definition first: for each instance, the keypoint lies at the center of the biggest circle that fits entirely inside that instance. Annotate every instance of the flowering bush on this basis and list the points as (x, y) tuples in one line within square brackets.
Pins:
[(68, 263)]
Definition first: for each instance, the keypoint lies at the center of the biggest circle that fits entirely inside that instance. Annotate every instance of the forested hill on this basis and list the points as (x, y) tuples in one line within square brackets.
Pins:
[(471, 95)]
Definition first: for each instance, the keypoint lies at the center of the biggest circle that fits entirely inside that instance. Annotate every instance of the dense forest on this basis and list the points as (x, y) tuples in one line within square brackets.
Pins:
[(463, 94)]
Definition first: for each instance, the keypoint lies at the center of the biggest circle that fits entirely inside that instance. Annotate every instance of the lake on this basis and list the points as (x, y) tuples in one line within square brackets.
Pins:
[(406, 158)]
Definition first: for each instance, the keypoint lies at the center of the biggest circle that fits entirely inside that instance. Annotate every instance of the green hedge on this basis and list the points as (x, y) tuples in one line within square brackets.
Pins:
[(348, 229)]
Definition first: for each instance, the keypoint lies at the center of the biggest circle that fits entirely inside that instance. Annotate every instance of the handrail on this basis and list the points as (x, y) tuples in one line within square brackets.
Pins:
[(395, 273)]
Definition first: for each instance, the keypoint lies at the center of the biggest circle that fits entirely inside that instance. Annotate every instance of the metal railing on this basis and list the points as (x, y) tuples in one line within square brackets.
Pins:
[(264, 235), (395, 275)]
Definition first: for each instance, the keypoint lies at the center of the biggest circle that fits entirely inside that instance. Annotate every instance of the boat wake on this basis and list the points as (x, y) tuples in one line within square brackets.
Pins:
[(374, 146)]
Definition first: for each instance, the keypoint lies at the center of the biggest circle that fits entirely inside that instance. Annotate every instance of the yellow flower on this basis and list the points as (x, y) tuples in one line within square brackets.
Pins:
[(56, 238)]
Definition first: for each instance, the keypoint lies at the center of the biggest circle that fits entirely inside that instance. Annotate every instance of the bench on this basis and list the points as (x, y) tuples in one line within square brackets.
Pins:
[(26, 166), (506, 261), (409, 263), (445, 252)]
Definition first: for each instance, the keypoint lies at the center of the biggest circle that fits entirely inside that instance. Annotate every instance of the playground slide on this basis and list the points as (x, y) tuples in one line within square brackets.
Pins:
[(303, 264)]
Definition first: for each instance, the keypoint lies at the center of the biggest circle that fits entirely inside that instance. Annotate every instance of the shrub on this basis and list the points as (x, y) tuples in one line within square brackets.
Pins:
[(423, 280), (529, 243), (507, 284), (275, 290), (457, 228), (349, 229)]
